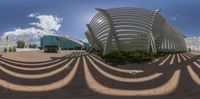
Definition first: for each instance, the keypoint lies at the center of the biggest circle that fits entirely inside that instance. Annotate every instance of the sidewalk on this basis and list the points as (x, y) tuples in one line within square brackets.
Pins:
[(195, 53)]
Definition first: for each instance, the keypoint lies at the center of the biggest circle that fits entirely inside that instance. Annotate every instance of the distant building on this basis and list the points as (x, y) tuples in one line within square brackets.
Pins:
[(193, 43), (130, 29), (65, 43)]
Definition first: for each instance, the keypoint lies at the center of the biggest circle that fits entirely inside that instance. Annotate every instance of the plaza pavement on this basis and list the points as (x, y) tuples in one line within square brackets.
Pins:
[(80, 75)]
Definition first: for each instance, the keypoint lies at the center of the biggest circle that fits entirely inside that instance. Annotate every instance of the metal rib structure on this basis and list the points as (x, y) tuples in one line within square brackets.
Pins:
[(129, 29)]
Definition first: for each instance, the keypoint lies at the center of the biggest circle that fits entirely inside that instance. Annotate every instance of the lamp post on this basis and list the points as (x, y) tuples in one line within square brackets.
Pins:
[(7, 44)]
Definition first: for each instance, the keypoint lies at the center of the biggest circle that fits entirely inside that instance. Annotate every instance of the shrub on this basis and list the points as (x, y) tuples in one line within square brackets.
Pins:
[(20, 44), (32, 46), (14, 49), (115, 58), (121, 57), (96, 52), (5, 50), (10, 49)]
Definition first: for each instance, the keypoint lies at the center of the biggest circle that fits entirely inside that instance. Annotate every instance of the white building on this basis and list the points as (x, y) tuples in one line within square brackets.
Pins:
[(193, 43), (129, 29)]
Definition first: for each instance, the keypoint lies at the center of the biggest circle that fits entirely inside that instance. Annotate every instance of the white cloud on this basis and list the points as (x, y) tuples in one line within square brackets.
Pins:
[(173, 18), (47, 25), (177, 17), (33, 14)]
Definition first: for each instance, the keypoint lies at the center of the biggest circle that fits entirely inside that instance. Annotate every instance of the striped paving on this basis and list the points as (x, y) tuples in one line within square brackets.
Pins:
[(122, 79), (85, 75), (94, 85), (163, 62)]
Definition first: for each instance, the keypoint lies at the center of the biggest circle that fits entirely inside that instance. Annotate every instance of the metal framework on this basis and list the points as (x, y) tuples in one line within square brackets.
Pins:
[(129, 29)]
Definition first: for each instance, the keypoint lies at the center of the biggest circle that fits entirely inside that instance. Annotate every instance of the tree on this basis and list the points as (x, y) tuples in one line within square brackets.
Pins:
[(32, 46), (20, 44)]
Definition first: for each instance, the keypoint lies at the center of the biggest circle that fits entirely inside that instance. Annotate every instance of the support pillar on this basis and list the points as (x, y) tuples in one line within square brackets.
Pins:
[(111, 34)]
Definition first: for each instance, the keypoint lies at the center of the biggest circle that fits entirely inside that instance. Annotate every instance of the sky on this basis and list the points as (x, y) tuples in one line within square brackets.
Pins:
[(69, 17)]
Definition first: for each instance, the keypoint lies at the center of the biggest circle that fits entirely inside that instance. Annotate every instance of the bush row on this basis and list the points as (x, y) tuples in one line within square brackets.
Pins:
[(10, 49), (116, 57), (122, 57)]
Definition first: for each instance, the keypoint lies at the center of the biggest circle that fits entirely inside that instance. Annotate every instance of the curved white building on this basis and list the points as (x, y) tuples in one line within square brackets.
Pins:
[(129, 29)]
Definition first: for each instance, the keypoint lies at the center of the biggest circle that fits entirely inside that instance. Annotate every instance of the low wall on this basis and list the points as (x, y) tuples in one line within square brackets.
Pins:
[(26, 49)]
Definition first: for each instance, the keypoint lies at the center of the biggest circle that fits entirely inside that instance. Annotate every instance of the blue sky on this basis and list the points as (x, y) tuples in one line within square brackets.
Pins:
[(183, 14)]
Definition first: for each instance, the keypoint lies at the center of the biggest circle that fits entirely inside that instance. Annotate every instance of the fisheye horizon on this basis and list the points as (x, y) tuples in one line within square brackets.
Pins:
[(99, 49)]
